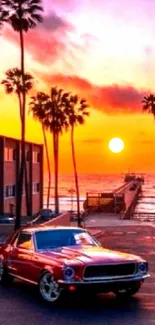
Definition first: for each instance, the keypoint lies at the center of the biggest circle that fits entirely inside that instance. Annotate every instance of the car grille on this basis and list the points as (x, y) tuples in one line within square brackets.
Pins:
[(111, 270)]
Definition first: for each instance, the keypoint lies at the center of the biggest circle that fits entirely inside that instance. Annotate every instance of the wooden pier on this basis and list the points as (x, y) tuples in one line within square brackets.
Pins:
[(121, 202)]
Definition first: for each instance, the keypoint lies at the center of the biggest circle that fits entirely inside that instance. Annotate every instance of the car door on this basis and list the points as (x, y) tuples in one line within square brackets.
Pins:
[(20, 257)]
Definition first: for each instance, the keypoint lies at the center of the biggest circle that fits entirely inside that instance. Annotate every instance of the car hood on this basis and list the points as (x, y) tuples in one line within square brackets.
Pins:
[(88, 255)]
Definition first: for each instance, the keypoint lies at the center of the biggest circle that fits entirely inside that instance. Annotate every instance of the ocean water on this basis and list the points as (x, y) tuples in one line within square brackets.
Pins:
[(97, 184)]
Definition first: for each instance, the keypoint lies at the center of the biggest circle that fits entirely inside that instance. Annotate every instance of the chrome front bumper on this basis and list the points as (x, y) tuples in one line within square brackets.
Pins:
[(110, 281)]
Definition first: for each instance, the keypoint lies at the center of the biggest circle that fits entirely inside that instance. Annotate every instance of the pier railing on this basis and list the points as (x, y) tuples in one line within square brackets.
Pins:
[(132, 202), (144, 216), (120, 201)]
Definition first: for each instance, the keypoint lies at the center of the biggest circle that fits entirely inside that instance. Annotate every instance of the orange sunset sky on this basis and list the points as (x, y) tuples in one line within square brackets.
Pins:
[(102, 50)]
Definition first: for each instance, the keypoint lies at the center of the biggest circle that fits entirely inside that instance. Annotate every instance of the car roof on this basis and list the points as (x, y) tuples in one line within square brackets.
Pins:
[(37, 228)]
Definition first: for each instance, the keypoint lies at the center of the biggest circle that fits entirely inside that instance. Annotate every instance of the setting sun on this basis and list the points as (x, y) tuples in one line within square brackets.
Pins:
[(116, 145)]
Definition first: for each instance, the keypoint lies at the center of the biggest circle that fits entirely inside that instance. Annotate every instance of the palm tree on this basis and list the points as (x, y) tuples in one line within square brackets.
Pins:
[(22, 15), (76, 111), (13, 84), (38, 108), (148, 103), (56, 122), (3, 16)]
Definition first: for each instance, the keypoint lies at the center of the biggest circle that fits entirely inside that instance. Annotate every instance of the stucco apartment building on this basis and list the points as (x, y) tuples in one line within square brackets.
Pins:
[(10, 153)]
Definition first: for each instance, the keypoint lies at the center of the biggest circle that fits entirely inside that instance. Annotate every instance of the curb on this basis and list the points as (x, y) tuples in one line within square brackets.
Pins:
[(97, 233), (148, 224)]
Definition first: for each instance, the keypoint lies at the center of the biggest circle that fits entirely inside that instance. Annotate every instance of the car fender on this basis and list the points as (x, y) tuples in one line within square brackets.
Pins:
[(1, 257), (47, 268), (55, 271)]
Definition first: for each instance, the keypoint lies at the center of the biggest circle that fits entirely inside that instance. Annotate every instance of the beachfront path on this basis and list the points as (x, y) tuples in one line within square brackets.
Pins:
[(20, 303)]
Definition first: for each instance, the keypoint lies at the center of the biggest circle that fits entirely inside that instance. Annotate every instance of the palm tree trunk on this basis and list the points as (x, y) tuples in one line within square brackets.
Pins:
[(55, 152), (27, 185), (48, 166), (76, 177), (22, 162), (27, 192), (28, 207), (54, 155), (57, 173), (20, 106)]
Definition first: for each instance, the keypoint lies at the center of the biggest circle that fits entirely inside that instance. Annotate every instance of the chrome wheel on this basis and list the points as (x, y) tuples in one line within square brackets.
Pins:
[(1, 270), (49, 288)]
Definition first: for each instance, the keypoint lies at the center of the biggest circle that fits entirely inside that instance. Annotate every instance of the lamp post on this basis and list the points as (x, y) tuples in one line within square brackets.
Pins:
[(71, 191)]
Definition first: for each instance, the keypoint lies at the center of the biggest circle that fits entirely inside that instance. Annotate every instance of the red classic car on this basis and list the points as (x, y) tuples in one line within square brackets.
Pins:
[(69, 258)]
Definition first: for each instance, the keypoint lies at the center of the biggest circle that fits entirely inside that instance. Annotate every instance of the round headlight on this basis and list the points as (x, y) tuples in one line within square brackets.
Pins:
[(69, 273), (142, 267)]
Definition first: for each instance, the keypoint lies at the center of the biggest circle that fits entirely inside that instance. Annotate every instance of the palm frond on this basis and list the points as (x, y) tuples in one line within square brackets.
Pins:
[(3, 16), (37, 106), (76, 110), (22, 15), (148, 104), (80, 119), (13, 82)]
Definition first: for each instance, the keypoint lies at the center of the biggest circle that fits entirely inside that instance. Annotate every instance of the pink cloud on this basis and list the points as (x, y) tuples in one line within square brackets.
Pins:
[(49, 42), (53, 22), (148, 51), (111, 99), (68, 5), (41, 46)]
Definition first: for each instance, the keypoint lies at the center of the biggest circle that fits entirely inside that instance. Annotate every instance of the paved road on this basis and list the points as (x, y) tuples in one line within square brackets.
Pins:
[(20, 304)]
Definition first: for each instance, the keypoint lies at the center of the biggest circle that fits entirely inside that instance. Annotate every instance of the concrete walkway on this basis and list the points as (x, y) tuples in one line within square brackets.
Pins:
[(100, 220)]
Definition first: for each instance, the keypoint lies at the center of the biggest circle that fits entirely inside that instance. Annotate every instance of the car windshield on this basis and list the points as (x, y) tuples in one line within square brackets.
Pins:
[(52, 239)]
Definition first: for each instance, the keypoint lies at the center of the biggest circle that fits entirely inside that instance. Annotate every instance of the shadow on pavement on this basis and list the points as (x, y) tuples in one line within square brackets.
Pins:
[(28, 294)]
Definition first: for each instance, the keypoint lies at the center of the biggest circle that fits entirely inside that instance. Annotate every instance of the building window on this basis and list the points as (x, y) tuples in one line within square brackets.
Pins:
[(36, 188), (9, 154), (36, 157), (9, 191)]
